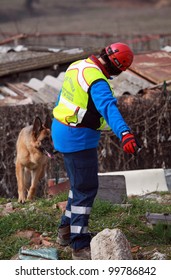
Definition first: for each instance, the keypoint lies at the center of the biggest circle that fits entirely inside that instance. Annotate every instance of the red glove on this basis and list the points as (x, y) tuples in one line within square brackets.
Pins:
[(129, 143)]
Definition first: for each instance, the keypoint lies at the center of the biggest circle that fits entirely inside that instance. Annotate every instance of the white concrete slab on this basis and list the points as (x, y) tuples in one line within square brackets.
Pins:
[(139, 182)]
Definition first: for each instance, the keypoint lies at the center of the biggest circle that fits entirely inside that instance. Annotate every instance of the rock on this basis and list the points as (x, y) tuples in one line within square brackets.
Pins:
[(32, 208), (110, 244), (28, 234), (7, 209), (62, 206), (158, 256)]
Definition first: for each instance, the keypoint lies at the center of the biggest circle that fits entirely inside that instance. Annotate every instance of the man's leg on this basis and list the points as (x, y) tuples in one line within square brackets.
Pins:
[(63, 237), (82, 168)]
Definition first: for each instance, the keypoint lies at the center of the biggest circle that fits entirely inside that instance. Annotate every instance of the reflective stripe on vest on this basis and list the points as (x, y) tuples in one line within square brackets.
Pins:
[(73, 101), (78, 113), (81, 79)]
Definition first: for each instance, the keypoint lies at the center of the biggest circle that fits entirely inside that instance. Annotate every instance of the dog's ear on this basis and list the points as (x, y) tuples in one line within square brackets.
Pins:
[(37, 127), (48, 122)]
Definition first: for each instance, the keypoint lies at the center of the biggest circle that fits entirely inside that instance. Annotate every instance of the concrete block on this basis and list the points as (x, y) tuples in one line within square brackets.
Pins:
[(139, 182), (167, 173), (112, 188)]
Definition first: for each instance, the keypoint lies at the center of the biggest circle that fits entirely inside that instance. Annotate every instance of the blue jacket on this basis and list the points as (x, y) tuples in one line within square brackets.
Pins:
[(68, 139)]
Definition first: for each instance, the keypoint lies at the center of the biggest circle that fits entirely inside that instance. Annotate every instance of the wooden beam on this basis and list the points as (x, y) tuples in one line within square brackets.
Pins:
[(155, 218)]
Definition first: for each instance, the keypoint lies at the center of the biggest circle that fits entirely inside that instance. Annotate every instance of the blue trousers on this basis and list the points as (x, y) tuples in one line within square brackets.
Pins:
[(82, 170)]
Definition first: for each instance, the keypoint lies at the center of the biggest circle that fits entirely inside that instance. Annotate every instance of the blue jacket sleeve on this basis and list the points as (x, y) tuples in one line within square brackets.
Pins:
[(106, 104)]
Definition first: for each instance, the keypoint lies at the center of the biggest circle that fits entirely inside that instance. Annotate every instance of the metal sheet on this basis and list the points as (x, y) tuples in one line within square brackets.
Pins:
[(154, 66)]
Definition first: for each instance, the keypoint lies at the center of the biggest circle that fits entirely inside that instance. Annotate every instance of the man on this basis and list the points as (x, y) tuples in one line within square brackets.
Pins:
[(86, 106)]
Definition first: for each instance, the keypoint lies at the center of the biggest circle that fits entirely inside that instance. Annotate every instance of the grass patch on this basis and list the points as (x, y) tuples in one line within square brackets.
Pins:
[(41, 216), (10, 246)]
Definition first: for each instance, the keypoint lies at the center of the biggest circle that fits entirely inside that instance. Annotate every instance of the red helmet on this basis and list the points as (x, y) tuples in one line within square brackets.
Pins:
[(120, 55)]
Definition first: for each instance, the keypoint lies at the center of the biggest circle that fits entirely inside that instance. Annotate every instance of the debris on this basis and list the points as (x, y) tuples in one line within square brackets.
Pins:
[(147, 64), (7, 209), (35, 237), (74, 51), (62, 205), (155, 218), (112, 188), (51, 182), (135, 249), (152, 255), (12, 39), (58, 188), (166, 49), (32, 208), (44, 234), (29, 234), (110, 245), (38, 254), (158, 256)]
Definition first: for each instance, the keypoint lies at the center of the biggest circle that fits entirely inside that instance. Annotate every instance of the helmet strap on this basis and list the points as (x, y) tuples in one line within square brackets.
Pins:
[(110, 67)]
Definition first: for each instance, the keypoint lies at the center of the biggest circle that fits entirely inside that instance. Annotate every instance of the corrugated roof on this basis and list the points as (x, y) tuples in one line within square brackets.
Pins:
[(35, 91), (129, 82), (20, 59), (14, 61), (154, 67), (143, 74)]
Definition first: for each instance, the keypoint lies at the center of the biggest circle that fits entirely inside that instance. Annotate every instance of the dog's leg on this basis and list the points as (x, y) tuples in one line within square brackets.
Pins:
[(35, 176), (20, 182), (27, 178)]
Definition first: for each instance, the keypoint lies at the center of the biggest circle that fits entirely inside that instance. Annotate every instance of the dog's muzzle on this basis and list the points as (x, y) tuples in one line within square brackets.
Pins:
[(47, 148)]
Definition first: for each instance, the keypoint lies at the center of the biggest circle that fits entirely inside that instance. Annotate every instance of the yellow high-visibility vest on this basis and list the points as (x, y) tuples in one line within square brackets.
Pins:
[(75, 106)]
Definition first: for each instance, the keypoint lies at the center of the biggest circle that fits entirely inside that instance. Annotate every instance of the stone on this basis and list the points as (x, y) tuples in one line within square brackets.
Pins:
[(110, 244)]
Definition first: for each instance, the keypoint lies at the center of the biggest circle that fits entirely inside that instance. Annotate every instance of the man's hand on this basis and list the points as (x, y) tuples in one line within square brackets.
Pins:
[(129, 143)]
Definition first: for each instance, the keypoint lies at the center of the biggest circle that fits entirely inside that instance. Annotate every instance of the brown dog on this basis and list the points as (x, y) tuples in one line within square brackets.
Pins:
[(34, 146)]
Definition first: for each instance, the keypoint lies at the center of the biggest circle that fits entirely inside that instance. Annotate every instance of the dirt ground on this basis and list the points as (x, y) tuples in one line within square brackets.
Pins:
[(102, 16)]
